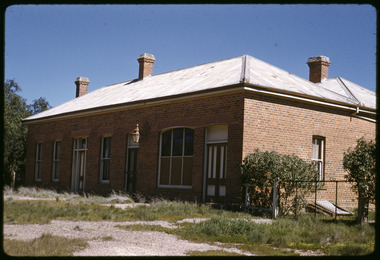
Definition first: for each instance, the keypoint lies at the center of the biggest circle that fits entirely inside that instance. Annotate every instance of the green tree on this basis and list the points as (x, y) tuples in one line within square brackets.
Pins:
[(15, 133), (360, 163), (261, 169), (39, 105)]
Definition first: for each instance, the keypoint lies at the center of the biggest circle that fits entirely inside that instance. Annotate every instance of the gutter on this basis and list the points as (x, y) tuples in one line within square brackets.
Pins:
[(308, 100), (356, 114)]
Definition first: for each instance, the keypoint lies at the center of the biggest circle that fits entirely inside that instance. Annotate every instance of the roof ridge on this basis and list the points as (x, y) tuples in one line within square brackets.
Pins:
[(245, 75), (347, 90), (206, 63)]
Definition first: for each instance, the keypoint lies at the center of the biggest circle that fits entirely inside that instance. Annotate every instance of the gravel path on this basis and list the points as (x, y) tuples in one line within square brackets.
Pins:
[(107, 240)]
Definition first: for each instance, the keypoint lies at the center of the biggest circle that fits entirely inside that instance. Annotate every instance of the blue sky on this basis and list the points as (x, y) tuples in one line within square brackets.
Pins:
[(48, 46)]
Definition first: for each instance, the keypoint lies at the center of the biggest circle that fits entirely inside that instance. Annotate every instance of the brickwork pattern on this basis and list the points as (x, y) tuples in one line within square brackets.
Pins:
[(195, 113), (288, 126)]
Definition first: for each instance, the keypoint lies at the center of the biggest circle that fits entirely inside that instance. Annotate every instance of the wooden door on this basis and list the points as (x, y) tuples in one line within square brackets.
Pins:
[(216, 172), (132, 169)]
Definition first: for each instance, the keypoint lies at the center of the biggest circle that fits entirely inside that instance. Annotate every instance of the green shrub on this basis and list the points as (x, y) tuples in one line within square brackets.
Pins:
[(360, 163), (262, 169)]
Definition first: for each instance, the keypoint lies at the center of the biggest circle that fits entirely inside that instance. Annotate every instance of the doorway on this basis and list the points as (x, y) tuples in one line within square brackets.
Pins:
[(132, 170), (215, 169), (131, 165), (79, 165)]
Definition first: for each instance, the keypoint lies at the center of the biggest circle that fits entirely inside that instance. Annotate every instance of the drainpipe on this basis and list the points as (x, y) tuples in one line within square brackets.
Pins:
[(357, 112)]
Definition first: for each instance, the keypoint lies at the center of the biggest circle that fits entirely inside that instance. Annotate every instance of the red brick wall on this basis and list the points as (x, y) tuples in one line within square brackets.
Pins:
[(270, 123), (287, 127), (195, 113)]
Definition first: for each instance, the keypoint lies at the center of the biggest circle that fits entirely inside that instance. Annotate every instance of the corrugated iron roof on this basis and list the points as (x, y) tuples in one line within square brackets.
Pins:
[(209, 77)]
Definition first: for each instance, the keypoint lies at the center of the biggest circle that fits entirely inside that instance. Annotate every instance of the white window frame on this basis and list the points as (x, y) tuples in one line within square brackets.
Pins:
[(171, 157), (37, 171), (103, 159), (319, 159), (56, 161)]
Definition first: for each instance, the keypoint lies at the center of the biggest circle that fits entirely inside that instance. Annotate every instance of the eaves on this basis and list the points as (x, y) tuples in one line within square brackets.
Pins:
[(370, 113)]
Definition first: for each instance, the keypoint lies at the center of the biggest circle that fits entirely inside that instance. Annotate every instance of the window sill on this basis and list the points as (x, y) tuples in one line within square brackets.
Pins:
[(183, 187)]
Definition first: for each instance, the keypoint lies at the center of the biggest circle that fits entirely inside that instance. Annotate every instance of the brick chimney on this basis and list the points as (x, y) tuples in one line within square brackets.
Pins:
[(319, 68), (82, 86), (146, 65)]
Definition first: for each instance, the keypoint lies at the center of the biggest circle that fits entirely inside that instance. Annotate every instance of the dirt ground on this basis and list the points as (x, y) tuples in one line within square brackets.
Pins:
[(105, 239)]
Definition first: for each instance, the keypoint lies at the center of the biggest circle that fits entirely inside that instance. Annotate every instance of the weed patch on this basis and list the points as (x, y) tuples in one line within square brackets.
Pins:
[(306, 233), (142, 227), (41, 212), (46, 245)]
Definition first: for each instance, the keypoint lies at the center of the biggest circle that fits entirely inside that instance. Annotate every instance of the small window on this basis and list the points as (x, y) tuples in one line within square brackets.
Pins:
[(56, 160), (38, 162), (105, 160), (176, 158), (318, 153)]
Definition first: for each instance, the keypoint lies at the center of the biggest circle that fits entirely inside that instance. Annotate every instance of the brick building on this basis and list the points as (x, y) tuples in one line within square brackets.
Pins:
[(195, 125)]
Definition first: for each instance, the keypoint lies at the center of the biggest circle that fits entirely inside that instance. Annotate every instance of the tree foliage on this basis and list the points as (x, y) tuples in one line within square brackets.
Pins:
[(360, 163), (15, 133), (261, 169)]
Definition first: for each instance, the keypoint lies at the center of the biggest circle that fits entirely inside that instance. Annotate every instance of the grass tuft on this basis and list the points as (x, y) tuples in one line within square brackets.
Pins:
[(213, 253)]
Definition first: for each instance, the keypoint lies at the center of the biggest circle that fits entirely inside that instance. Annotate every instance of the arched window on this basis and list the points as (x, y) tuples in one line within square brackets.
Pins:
[(176, 158)]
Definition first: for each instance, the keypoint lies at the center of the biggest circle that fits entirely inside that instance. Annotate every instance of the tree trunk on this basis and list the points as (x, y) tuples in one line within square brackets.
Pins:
[(362, 216)]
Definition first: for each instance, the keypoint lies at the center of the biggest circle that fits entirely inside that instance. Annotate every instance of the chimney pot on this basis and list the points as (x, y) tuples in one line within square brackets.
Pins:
[(319, 68), (146, 65), (82, 86)]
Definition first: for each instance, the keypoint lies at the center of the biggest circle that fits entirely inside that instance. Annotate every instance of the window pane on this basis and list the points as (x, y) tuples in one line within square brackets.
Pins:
[(39, 151), (83, 143), (164, 171), (57, 155), (187, 170), (166, 143), (189, 141), (38, 171), (316, 148), (56, 170), (106, 170), (176, 171), (177, 141), (106, 147)]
